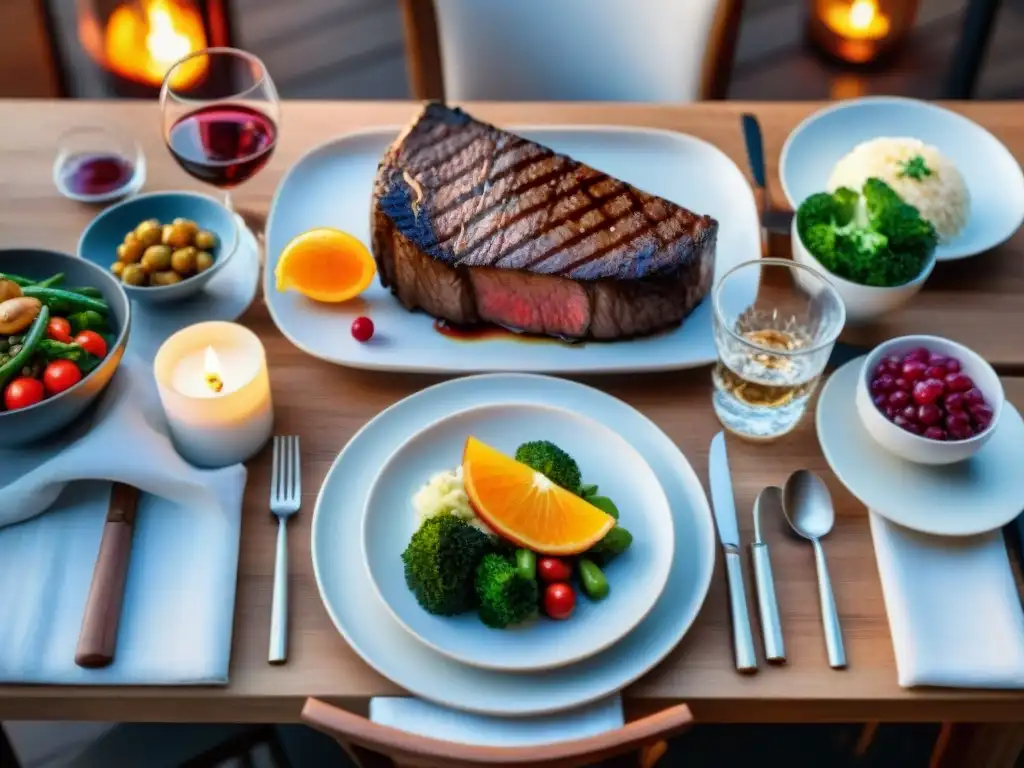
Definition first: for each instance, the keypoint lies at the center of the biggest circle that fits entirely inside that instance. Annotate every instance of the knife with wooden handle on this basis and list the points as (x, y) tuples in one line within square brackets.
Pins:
[(97, 639)]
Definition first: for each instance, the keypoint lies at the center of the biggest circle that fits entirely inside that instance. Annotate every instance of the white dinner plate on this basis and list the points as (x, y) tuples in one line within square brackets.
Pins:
[(991, 173), (637, 577), (980, 494), (331, 187), (379, 639)]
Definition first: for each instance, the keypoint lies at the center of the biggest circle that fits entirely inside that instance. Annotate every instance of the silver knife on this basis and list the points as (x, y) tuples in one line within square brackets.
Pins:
[(729, 534), (772, 219), (768, 502)]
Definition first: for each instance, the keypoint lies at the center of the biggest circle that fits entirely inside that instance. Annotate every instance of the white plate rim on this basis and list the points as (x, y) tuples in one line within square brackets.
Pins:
[(696, 496), (953, 254), (659, 582), (991, 524), (271, 258)]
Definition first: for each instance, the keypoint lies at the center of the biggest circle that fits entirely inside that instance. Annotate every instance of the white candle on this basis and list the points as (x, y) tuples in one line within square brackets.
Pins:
[(215, 390)]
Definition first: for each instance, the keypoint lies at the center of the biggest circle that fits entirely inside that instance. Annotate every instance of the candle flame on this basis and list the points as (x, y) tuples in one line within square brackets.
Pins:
[(143, 40), (212, 369), (862, 13)]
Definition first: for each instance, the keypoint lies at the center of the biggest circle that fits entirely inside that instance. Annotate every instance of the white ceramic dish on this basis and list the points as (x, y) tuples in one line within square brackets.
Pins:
[(992, 174), (637, 577), (964, 499), (864, 303), (915, 447), (331, 186), (372, 631)]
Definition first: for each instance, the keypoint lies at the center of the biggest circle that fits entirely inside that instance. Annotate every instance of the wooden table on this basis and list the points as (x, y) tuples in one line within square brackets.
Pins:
[(977, 302)]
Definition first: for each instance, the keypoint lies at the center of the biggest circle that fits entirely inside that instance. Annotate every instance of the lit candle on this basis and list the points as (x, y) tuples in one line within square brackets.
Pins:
[(859, 20), (215, 390)]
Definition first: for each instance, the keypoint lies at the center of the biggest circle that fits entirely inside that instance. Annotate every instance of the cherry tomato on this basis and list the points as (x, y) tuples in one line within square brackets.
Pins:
[(92, 343), (362, 329), (59, 329), (551, 569), (559, 601), (23, 392), (60, 375)]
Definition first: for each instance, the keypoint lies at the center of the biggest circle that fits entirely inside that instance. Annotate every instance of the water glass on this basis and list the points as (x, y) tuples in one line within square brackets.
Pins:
[(775, 323)]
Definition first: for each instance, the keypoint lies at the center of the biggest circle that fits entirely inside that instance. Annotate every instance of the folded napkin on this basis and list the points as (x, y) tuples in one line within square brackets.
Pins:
[(179, 599), (954, 611), (426, 719)]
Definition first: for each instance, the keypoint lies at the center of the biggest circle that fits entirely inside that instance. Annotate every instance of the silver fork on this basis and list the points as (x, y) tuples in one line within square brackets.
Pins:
[(285, 500)]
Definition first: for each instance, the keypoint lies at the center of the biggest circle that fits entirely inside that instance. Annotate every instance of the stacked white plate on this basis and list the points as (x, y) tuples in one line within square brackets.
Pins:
[(364, 519)]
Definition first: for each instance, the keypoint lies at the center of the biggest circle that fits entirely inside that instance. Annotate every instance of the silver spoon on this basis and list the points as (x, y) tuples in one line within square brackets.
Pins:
[(808, 508)]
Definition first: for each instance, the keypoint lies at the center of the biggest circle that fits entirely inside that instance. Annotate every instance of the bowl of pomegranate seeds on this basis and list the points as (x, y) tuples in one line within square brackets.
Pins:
[(929, 399)]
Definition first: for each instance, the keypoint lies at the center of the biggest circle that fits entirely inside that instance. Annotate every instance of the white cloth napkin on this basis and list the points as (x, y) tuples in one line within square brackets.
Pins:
[(179, 601), (954, 611), (426, 719)]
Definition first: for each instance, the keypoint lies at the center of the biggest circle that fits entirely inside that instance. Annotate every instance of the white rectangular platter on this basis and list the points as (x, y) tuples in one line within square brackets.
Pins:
[(331, 186)]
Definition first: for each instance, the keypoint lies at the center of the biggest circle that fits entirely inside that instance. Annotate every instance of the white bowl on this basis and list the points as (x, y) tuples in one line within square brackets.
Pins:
[(916, 448), (864, 303)]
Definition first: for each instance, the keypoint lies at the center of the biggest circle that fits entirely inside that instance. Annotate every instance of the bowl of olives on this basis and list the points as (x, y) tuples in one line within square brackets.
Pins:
[(162, 246)]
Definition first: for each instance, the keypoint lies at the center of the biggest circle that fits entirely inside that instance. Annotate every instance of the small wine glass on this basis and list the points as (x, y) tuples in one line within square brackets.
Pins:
[(221, 116)]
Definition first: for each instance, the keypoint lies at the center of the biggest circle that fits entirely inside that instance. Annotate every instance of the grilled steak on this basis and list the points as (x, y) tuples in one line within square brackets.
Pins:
[(474, 224)]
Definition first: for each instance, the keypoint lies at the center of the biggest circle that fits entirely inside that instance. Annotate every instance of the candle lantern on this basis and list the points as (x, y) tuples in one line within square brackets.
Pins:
[(860, 31)]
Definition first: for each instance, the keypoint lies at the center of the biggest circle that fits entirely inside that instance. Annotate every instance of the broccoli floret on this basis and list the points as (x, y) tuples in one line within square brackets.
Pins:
[(505, 597), (871, 238), (552, 462), (440, 564)]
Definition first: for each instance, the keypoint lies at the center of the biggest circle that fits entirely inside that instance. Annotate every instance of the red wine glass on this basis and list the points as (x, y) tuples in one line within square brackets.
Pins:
[(221, 116)]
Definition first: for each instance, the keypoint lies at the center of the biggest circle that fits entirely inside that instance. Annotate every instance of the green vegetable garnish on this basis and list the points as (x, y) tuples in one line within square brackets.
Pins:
[(440, 564), (914, 168), (614, 543), (605, 504), (871, 238), (505, 596), (51, 350), (552, 462)]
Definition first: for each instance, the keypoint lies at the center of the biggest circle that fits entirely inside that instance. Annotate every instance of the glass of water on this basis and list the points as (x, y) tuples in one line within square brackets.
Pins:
[(775, 324)]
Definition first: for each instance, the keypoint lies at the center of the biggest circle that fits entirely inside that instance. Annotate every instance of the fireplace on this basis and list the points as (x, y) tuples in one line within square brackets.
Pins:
[(123, 48)]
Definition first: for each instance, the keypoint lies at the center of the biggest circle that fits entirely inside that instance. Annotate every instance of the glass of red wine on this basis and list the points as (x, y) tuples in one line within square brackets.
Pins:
[(222, 127)]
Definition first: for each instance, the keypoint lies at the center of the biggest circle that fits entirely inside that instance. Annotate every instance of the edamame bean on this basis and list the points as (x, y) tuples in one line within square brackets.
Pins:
[(526, 563), (595, 585)]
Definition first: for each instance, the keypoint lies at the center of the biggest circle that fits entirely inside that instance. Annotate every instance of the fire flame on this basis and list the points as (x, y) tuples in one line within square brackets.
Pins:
[(212, 371), (862, 13), (144, 39)]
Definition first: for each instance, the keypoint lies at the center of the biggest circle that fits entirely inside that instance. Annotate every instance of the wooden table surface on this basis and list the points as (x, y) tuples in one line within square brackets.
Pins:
[(979, 302)]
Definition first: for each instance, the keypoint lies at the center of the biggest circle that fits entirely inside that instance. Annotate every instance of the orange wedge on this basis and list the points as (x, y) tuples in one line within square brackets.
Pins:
[(525, 507), (325, 265)]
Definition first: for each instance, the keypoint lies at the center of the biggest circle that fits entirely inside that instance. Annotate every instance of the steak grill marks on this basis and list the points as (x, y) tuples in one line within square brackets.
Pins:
[(487, 158)]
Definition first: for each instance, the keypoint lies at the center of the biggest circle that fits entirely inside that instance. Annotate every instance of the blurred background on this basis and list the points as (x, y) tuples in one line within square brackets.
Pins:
[(395, 49)]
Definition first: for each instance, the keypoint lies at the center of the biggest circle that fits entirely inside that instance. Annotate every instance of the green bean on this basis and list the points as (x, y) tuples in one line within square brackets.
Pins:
[(51, 281), (594, 583), (87, 290), (32, 339), (17, 279), (526, 564), (55, 297), (601, 502), (614, 543), (52, 350)]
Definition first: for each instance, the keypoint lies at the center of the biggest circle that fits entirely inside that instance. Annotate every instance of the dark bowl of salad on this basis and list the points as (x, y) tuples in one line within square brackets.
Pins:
[(64, 326)]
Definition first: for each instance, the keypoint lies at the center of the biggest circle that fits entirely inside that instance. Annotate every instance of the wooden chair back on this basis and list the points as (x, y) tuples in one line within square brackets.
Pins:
[(593, 50), (379, 746)]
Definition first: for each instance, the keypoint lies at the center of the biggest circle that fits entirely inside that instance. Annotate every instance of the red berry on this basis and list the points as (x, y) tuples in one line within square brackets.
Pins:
[(958, 426), (981, 415), (882, 384), (928, 391), (929, 414), (909, 412), (559, 601), (973, 396), (936, 372), (953, 365), (935, 433), (936, 359), (920, 355), (907, 425), (958, 382), (953, 402), (903, 384), (880, 401), (899, 398), (890, 412), (914, 370), (362, 329)]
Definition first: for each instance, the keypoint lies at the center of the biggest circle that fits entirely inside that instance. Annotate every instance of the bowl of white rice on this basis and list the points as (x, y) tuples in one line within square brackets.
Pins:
[(956, 173), (918, 172)]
